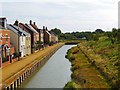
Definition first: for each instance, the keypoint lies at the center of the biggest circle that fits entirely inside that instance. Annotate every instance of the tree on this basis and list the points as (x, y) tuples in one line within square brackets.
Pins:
[(99, 31), (56, 31), (118, 36)]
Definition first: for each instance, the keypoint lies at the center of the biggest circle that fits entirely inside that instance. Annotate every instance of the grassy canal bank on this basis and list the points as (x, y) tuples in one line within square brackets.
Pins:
[(94, 65), (84, 73)]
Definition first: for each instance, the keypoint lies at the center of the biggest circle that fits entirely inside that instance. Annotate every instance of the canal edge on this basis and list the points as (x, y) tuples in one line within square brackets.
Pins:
[(17, 79)]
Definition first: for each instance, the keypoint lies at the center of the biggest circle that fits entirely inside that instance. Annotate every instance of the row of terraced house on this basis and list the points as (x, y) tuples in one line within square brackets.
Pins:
[(21, 39)]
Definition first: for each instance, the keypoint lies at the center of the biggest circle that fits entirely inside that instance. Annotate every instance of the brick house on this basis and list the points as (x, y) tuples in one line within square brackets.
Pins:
[(19, 39), (54, 37), (36, 35), (26, 28), (47, 35), (40, 31), (6, 48), (27, 41)]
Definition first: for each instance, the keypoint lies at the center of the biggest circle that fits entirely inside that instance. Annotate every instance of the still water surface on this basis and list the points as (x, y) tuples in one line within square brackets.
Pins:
[(54, 74)]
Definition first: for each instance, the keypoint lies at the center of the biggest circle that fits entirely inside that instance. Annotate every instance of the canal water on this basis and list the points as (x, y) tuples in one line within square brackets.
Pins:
[(54, 74)]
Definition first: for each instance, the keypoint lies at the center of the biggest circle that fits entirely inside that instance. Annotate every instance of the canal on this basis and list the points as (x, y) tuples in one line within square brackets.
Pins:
[(54, 74)]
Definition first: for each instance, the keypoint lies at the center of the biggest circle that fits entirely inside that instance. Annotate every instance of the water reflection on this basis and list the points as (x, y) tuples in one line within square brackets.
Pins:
[(54, 74)]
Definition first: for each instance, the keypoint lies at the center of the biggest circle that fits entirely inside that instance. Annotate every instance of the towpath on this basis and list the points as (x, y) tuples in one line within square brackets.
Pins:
[(13, 68)]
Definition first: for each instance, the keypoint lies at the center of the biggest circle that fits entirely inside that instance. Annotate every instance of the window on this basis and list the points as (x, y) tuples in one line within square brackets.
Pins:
[(6, 38)]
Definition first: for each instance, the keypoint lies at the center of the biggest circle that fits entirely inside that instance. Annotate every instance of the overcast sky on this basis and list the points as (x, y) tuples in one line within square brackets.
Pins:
[(67, 15)]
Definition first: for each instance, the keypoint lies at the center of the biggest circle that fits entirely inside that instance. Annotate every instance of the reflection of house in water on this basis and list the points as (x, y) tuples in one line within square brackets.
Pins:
[(6, 49)]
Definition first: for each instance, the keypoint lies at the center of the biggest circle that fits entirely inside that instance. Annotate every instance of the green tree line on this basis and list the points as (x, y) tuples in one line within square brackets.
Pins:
[(113, 35)]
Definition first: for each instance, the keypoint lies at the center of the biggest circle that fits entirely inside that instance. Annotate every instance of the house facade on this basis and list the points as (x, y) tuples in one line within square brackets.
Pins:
[(17, 39), (26, 28), (47, 35), (40, 33), (54, 37), (25, 41), (34, 28), (6, 48), (22, 41), (36, 36)]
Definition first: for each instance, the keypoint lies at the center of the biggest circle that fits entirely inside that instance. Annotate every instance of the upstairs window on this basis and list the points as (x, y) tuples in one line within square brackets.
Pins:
[(6, 35)]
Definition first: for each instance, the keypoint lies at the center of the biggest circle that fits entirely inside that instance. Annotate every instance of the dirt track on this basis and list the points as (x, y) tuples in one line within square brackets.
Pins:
[(11, 69)]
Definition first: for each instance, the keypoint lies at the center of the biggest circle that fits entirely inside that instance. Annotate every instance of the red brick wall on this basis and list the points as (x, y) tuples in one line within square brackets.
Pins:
[(4, 33), (46, 37)]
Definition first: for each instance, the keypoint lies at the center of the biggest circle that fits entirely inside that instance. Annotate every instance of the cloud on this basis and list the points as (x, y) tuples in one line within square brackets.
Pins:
[(0, 9), (68, 15)]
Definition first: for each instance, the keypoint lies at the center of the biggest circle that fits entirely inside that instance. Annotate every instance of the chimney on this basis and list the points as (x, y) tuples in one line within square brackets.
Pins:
[(3, 22), (46, 28), (30, 22), (34, 23), (16, 23), (43, 27)]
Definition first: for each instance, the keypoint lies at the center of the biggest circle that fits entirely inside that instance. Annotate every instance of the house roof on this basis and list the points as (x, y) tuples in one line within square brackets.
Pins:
[(32, 28), (26, 28), (20, 29), (1, 27), (41, 30), (9, 26), (51, 32), (2, 18), (14, 29), (48, 32)]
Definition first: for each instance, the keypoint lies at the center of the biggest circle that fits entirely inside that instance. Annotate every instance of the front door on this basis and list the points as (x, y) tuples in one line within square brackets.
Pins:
[(10, 58)]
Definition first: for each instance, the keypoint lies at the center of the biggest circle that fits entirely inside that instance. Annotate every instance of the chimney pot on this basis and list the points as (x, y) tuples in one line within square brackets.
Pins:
[(43, 27), (46, 28), (16, 23), (34, 23), (30, 22), (4, 22)]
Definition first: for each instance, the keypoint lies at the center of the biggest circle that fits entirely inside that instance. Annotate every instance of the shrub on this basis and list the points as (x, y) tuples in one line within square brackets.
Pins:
[(16, 55), (4, 59), (75, 51), (72, 58), (71, 86)]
